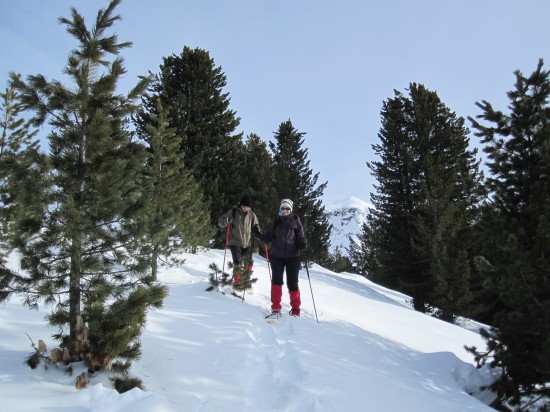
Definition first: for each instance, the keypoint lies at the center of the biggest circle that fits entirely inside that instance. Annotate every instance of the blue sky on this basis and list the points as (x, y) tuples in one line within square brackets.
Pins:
[(325, 65)]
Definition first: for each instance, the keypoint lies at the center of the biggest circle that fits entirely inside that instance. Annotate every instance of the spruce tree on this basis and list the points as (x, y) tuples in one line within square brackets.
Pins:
[(517, 267), (385, 245), (338, 262), (175, 215), (486, 241), (362, 257), (77, 258), (192, 87), (260, 179), (295, 180), (425, 202)]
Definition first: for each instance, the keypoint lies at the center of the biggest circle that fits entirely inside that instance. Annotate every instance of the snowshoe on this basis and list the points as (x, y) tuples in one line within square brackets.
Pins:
[(273, 317)]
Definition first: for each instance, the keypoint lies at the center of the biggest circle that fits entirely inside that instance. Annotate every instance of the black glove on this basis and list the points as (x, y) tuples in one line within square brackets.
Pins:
[(301, 244), (256, 231)]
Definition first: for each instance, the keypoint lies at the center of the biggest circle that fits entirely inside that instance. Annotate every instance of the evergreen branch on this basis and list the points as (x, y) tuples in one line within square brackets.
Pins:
[(530, 291)]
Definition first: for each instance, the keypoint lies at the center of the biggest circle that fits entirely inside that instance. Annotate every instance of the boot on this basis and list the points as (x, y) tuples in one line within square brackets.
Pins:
[(295, 302), (276, 296)]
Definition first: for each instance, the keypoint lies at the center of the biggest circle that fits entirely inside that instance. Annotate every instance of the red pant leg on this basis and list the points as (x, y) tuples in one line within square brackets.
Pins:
[(276, 295)]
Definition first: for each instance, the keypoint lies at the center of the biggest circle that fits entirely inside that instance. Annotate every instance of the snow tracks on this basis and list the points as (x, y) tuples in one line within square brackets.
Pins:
[(273, 373)]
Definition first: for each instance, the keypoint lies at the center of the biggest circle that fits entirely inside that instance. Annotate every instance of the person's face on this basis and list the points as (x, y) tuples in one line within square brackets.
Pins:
[(285, 210), (245, 208)]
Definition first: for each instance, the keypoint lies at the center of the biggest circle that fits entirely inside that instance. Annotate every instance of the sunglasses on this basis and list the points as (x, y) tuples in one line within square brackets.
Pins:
[(285, 208)]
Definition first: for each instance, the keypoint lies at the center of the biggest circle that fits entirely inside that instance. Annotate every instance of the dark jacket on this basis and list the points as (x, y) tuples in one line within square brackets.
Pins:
[(286, 235), (240, 233)]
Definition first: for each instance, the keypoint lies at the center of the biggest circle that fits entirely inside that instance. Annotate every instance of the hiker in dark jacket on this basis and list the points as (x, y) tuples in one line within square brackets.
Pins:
[(287, 238), (241, 219)]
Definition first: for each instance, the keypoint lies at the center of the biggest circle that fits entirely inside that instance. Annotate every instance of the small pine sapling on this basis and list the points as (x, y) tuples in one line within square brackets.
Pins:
[(218, 280), (246, 279)]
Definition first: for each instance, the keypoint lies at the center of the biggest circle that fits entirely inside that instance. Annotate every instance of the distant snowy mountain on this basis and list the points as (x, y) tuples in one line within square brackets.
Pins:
[(346, 216)]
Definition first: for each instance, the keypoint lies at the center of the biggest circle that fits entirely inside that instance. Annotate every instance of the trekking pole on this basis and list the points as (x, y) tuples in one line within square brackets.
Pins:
[(310, 288), (268, 265)]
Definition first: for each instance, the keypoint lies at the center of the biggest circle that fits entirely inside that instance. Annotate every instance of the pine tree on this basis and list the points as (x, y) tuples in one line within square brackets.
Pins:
[(191, 86), (486, 241), (176, 216), (260, 178), (218, 278), (21, 169), (18, 154), (385, 246), (338, 262), (246, 278), (77, 258), (360, 255), (425, 202), (518, 265), (295, 180)]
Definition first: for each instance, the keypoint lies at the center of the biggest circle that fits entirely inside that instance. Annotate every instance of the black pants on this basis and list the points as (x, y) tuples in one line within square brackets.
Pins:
[(292, 266), (237, 254)]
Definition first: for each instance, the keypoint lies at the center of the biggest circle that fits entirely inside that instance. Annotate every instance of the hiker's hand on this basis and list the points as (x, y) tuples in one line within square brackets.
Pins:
[(256, 231)]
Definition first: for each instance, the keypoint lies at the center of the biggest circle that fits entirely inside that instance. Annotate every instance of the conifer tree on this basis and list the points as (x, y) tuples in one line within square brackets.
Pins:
[(176, 215), (246, 278), (76, 258), (192, 87), (295, 180), (22, 167), (517, 266), (424, 202), (218, 278), (365, 254), (338, 262), (260, 179)]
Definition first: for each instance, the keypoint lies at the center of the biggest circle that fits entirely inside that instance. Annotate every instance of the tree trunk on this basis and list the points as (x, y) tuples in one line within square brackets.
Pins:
[(75, 292), (75, 297)]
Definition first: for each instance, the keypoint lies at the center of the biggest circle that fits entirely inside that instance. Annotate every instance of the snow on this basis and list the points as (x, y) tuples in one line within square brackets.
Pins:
[(347, 217), (353, 202), (206, 351)]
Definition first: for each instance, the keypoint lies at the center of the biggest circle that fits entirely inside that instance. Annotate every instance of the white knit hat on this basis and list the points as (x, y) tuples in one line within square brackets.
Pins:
[(287, 203)]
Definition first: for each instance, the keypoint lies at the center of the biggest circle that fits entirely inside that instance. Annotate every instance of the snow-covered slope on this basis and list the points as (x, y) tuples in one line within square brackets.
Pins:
[(204, 351)]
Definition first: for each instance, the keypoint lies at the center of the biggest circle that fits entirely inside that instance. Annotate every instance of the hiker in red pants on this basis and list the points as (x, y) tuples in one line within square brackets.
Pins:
[(287, 238)]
